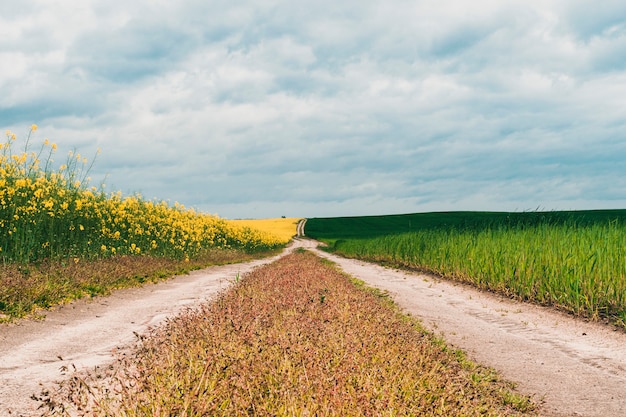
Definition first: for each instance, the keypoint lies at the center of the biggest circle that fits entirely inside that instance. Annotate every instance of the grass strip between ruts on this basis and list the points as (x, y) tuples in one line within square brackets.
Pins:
[(293, 338)]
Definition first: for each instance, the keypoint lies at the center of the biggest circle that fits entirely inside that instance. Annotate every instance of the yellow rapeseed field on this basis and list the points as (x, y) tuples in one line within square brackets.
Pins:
[(48, 212), (283, 228)]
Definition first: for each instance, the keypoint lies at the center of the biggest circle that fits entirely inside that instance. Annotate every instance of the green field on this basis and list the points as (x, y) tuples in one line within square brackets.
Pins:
[(570, 259)]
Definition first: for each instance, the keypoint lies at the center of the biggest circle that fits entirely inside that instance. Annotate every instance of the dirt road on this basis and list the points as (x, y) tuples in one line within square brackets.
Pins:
[(87, 333), (574, 368)]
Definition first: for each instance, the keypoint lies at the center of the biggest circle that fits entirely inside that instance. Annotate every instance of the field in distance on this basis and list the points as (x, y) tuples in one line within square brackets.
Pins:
[(572, 260), (283, 228), (330, 228)]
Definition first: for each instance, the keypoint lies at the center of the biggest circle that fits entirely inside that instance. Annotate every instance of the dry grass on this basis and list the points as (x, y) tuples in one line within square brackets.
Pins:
[(25, 289), (294, 338)]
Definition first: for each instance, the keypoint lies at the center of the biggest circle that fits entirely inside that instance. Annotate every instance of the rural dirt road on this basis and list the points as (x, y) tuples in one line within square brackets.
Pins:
[(87, 333), (573, 368)]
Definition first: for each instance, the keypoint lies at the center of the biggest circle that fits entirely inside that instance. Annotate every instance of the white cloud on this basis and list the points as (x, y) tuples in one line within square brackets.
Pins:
[(254, 109)]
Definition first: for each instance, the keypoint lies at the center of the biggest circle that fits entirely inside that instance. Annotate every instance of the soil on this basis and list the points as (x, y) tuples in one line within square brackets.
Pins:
[(569, 366)]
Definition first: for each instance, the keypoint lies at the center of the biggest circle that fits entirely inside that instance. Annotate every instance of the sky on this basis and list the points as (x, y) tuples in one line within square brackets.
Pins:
[(255, 109)]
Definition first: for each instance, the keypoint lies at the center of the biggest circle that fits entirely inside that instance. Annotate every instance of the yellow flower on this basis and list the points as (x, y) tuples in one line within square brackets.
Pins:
[(33, 127)]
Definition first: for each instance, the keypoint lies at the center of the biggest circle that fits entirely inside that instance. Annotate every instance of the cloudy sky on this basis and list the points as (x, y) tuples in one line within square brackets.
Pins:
[(328, 108)]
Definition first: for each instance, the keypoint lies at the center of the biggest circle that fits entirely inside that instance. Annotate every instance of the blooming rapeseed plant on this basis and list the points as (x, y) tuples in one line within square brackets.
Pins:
[(59, 207)]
